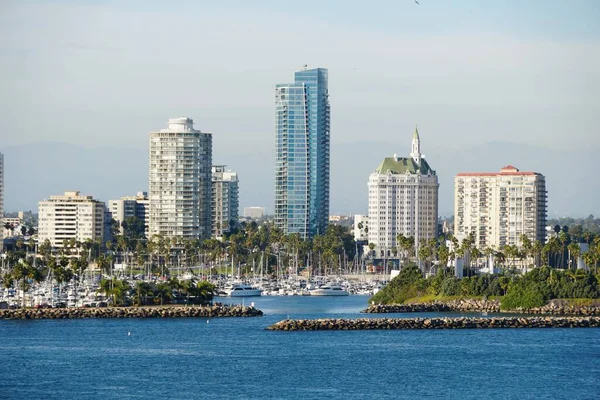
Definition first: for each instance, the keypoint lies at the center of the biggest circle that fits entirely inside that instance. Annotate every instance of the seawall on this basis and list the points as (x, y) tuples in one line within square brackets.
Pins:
[(434, 323), (132, 312)]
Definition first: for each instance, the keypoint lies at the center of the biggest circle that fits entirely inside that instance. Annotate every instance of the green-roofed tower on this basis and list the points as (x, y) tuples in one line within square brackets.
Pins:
[(416, 147), (403, 199)]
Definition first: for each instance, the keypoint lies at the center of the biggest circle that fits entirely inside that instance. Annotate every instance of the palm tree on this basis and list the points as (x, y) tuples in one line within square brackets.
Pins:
[(467, 244), (443, 254), (371, 247), (24, 272), (174, 284), (426, 252), (106, 287), (487, 253), (103, 263), (476, 254), (574, 251), (500, 255), (79, 265), (120, 290), (205, 291), (140, 292), (114, 288), (536, 251), (163, 291), (564, 240), (188, 288)]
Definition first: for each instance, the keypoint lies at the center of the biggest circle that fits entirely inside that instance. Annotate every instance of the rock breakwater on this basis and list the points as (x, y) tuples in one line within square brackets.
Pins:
[(554, 307), (463, 305), (132, 312), (434, 323)]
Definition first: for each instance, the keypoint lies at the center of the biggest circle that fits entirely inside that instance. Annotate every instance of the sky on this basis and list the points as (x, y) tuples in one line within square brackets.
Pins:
[(467, 72)]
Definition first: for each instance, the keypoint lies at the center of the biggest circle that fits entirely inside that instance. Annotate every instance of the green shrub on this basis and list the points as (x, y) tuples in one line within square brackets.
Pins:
[(451, 286), (522, 295), (408, 284)]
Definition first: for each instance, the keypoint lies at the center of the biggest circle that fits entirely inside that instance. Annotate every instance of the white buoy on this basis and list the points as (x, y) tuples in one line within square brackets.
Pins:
[(207, 321), (128, 333)]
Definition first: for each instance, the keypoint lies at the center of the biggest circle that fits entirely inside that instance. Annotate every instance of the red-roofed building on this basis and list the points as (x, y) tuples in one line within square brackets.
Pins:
[(499, 207)]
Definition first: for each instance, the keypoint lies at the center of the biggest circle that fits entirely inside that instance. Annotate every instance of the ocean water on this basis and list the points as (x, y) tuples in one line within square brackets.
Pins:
[(237, 358)]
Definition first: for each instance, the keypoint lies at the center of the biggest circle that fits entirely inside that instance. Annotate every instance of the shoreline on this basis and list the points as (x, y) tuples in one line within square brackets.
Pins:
[(211, 311), (332, 324)]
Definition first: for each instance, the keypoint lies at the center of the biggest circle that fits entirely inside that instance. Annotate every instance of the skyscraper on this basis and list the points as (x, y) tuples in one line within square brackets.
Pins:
[(180, 181), (302, 153), (403, 199), (225, 200)]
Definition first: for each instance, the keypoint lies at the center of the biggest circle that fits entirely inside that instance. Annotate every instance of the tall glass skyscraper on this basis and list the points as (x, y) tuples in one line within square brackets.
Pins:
[(302, 154)]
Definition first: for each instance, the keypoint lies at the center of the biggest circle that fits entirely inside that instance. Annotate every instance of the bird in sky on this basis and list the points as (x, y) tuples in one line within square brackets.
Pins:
[(417, 2)]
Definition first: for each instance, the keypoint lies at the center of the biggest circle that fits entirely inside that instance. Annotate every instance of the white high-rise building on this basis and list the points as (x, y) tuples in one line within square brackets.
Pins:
[(499, 207), (130, 206), (225, 200), (180, 181), (1, 199), (403, 199), (70, 216)]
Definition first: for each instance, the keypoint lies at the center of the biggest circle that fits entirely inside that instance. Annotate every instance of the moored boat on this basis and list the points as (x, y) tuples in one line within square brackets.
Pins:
[(329, 291), (242, 290)]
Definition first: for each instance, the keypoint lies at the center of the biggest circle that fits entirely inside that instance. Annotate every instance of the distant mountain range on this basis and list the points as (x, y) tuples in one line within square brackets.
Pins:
[(35, 171)]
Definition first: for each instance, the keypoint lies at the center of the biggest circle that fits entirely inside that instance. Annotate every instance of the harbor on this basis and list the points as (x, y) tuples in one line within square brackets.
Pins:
[(88, 292)]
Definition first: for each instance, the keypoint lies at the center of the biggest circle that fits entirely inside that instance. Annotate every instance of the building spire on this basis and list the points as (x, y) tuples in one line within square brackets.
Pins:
[(416, 147)]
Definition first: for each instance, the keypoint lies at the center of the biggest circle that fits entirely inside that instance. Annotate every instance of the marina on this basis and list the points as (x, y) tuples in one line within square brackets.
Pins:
[(87, 292)]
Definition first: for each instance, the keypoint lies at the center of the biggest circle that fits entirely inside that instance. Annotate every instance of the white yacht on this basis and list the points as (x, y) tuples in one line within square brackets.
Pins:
[(329, 291), (242, 290)]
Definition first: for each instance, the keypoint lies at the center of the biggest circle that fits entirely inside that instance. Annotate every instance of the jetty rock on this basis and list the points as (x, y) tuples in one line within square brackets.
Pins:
[(133, 312), (434, 323), (554, 307)]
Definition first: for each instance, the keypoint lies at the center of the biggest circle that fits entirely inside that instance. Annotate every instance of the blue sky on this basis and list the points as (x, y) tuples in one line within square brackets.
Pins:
[(472, 70), (105, 73)]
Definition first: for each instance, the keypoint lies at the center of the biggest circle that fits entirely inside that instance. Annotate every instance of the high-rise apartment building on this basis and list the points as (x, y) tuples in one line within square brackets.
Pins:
[(403, 199), (70, 216), (180, 181), (500, 207), (302, 153), (130, 206), (225, 200)]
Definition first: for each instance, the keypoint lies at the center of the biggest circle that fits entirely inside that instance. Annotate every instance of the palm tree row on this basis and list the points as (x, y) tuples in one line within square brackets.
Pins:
[(560, 252), (266, 249), (120, 292)]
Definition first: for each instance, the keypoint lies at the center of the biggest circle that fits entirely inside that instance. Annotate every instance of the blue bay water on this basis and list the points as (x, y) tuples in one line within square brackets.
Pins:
[(237, 358)]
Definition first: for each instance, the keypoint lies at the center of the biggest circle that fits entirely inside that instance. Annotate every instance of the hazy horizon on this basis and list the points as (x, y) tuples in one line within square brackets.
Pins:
[(106, 73)]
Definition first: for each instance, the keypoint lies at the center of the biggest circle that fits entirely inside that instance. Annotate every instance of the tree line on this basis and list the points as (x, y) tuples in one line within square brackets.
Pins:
[(533, 289)]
